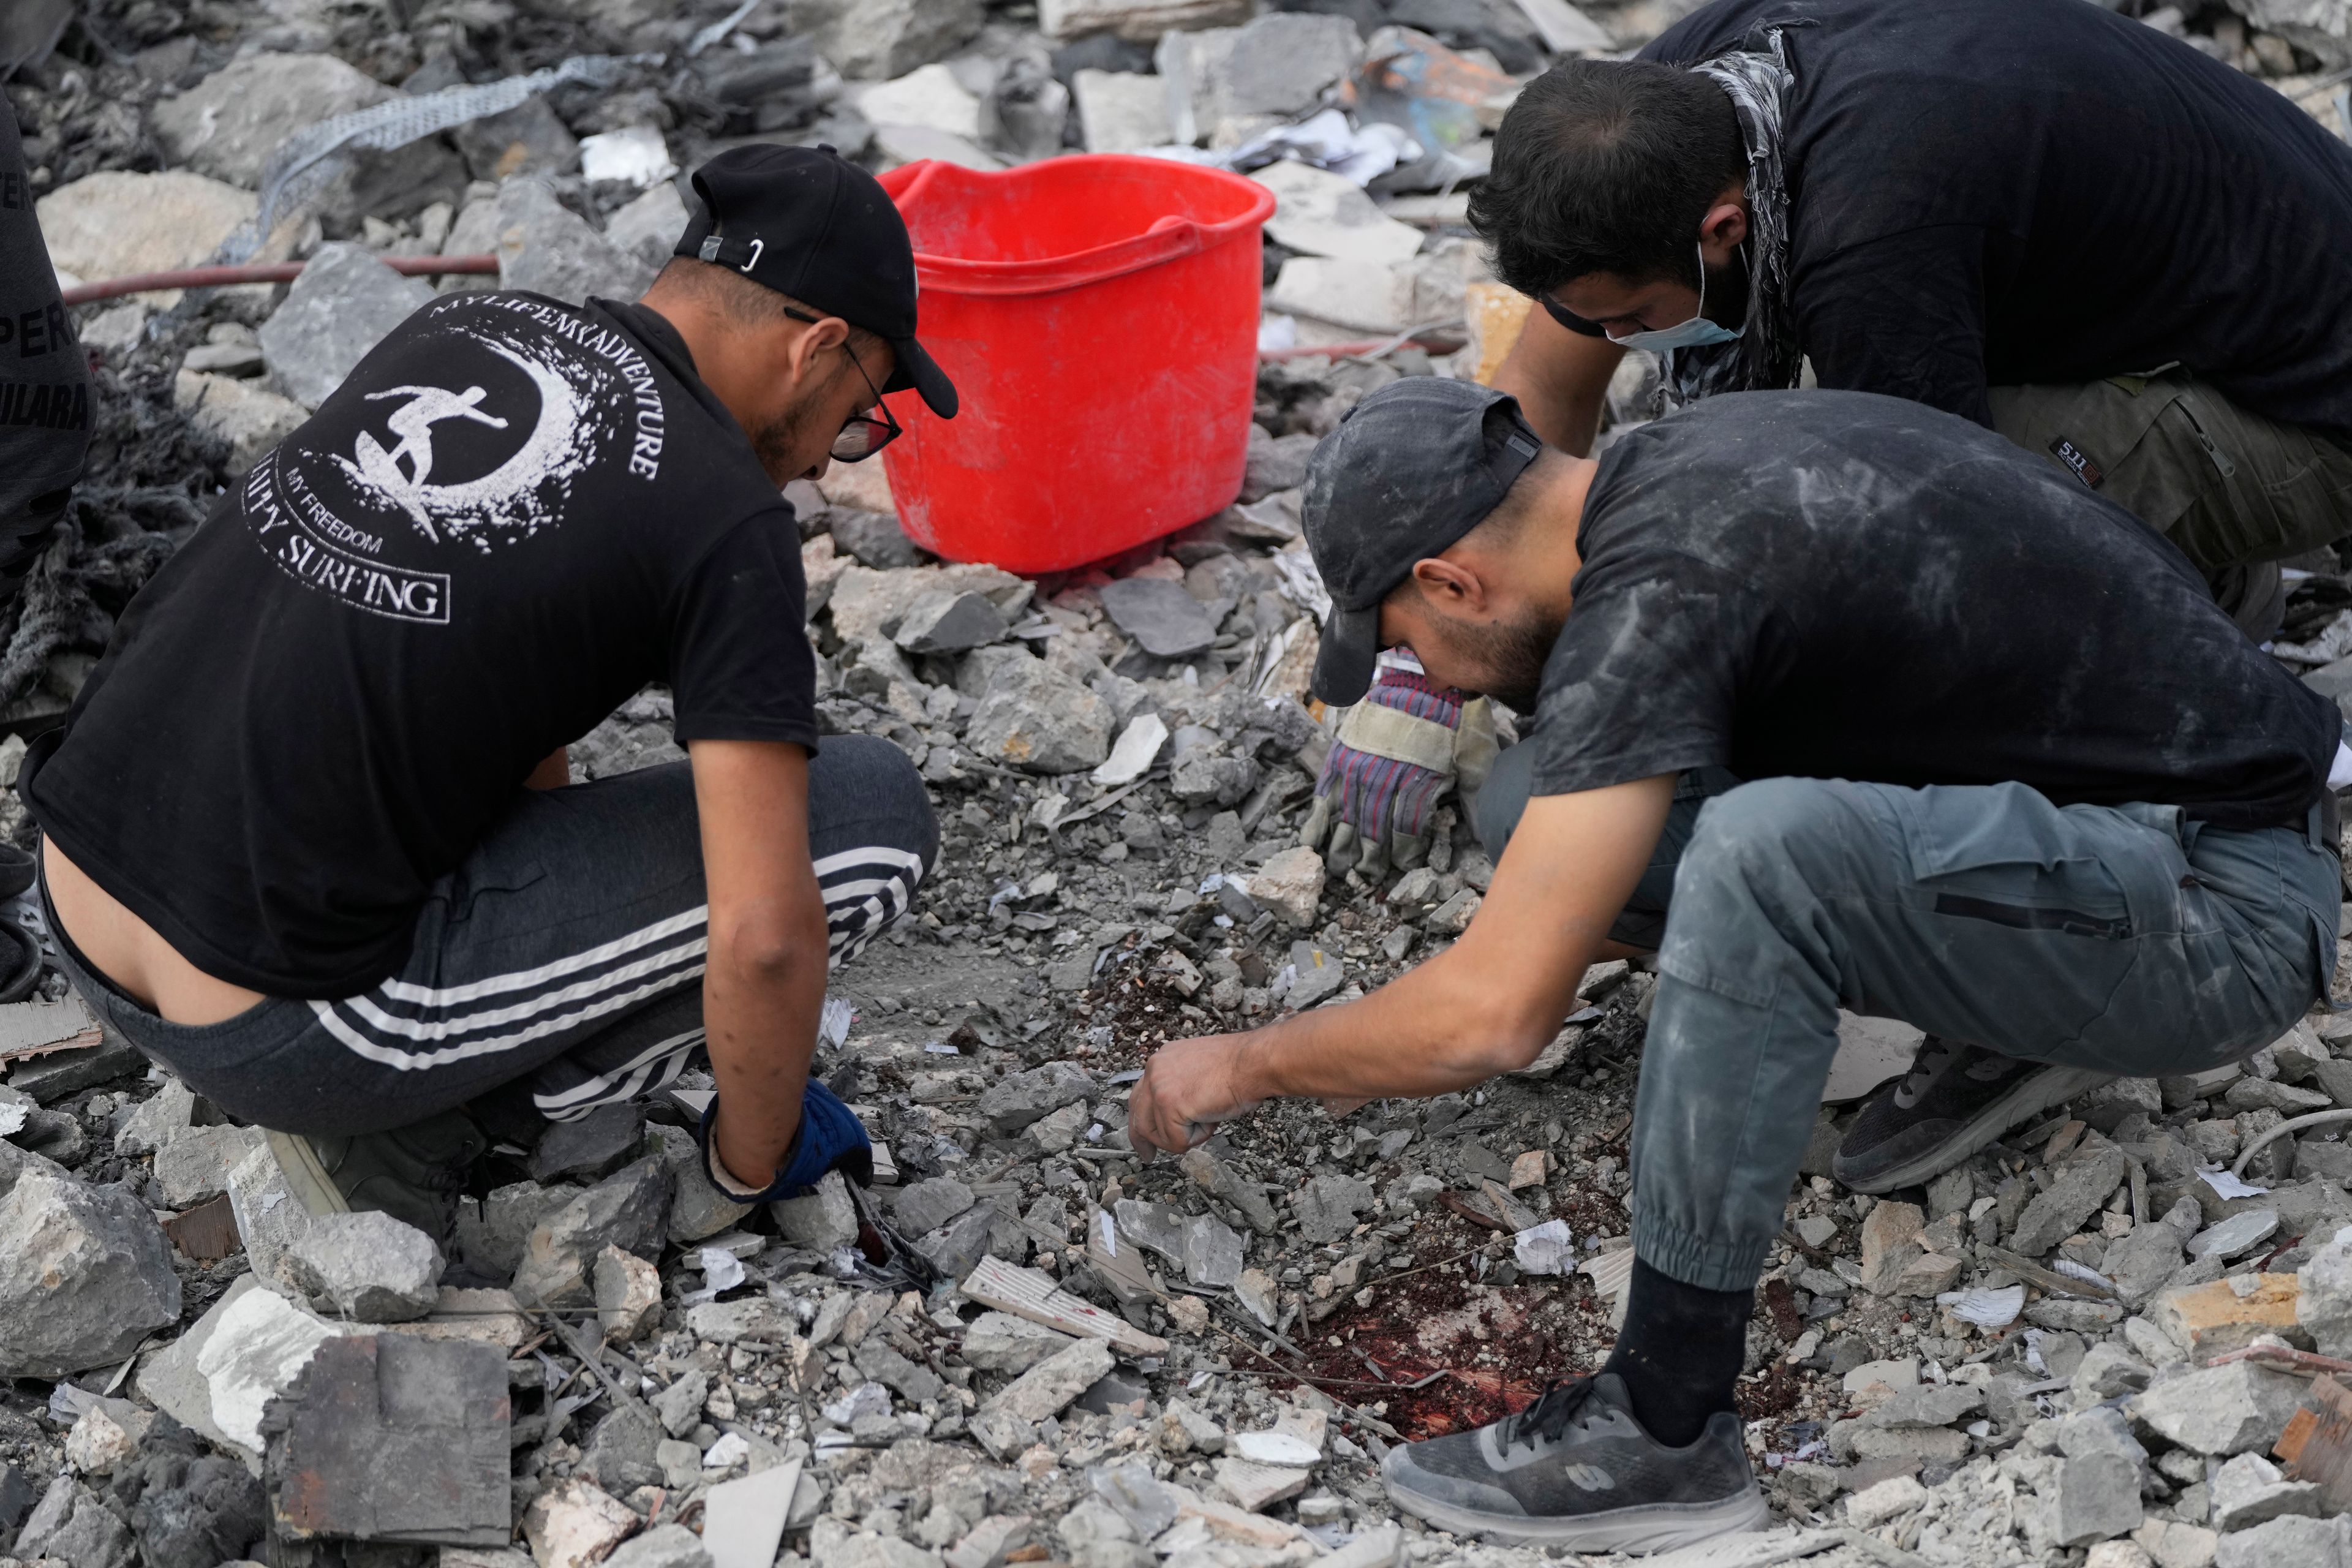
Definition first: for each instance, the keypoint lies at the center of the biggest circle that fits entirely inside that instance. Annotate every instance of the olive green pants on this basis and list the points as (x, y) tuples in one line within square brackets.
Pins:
[(2237, 492)]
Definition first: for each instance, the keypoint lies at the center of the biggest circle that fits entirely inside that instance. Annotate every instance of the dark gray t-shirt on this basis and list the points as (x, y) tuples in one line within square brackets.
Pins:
[(1835, 584), (44, 381)]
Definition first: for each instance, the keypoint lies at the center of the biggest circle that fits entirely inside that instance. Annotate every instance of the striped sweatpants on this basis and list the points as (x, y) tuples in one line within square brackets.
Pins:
[(565, 958)]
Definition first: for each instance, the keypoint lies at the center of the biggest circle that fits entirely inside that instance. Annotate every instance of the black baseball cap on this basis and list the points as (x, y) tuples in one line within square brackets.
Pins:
[(808, 223), (1411, 469)]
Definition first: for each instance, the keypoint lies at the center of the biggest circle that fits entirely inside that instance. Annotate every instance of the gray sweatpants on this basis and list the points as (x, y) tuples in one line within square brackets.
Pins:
[(2119, 937), (566, 953)]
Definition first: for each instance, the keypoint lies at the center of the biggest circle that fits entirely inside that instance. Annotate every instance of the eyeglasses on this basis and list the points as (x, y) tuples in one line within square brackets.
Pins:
[(862, 435)]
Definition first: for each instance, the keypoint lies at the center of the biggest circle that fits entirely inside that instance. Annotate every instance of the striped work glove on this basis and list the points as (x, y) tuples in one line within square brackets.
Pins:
[(1394, 756)]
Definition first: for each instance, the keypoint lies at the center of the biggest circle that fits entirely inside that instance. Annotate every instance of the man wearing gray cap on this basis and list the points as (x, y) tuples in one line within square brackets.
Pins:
[(2009, 774)]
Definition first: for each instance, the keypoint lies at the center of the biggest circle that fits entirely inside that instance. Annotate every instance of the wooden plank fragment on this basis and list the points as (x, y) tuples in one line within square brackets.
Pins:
[(1026, 1293)]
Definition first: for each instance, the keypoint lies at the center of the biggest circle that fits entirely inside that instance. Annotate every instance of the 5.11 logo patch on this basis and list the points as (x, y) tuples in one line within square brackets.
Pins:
[(2078, 462)]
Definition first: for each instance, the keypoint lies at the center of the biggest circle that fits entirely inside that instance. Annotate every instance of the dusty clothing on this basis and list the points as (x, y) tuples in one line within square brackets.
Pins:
[(44, 381), (1837, 585), (2127, 939), (2234, 489), (565, 952), (2021, 191), (511, 517)]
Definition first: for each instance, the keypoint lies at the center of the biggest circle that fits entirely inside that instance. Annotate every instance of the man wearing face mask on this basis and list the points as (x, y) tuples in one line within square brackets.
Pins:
[(2127, 257)]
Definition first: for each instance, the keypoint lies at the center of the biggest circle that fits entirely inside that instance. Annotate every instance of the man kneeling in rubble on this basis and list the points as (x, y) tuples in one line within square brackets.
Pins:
[(2010, 775), (304, 840)]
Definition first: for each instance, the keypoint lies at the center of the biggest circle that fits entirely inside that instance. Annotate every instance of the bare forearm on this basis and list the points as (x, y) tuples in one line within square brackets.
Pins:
[(761, 1020), (1423, 1034), (1561, 379)]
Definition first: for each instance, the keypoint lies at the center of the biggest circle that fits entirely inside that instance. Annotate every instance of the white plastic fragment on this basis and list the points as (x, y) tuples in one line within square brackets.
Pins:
[(1546, 1248), (2230, 1186), (1995, 1309)]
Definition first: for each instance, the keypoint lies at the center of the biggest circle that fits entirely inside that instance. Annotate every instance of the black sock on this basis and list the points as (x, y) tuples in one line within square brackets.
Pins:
[(1680, 1353)]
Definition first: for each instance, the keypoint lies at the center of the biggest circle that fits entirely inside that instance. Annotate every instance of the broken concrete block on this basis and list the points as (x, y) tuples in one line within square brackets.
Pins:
[(527, 139), (743, 1519), (107, 1435), (2235, 1235), (2222, 1315), (629, 1296), (1046, 1388), (869, 40), (229, 124), (824, 1220), (88, 1275), (253, 1353), (249, 416), (1291, 885), (591, 1148), (1121, 111), (1037, 718), (368, 1267), (193, 1165), (1158, 615), (2079, 1184), (2249, 1491), (949, 623), (929, 97), (150, 1123), (1326, 1206), (574, 1525), (345, 303), (71, 1525), (2108, 1372), (1016, 1100), (2222, 1410), (624, 1210), (663, 1546), (491, 1234), (2322, 1307), (698, 1210), (1226, 85), (648, 227), (1318, 213), (1000, 1342), (753, 1317), (189, 1507), (391, 1438), (547, 248), (1256, 1487), (1890, 1244), (2303, 1542), (1369, 296)]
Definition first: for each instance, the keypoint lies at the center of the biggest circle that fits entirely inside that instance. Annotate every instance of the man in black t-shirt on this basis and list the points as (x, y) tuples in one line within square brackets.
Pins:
[(2010, 775), (2129, 258), (305, 840)]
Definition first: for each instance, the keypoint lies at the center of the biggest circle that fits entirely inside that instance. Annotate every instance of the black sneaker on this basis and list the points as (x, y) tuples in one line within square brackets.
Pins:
[(414, 1173), (1955, 1099), (1575, 1470)]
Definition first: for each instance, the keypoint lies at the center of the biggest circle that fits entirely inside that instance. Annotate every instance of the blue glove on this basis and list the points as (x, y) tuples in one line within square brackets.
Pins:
[(830, 1139)]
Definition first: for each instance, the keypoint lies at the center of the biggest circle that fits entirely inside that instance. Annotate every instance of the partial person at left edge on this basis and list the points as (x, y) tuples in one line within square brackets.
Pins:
[(44, 437), (306, 838)]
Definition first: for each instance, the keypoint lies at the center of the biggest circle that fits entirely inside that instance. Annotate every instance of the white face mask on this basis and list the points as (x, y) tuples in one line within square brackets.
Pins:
[(1699, 333)]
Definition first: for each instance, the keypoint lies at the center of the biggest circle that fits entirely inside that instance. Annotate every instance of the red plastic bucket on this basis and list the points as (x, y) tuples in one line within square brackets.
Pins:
[(1098, 315)]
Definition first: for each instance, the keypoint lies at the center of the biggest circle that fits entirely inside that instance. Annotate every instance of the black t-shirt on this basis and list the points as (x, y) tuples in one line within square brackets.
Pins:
[(44, 382), (2007, 192), (1830, 585), (513, 515)]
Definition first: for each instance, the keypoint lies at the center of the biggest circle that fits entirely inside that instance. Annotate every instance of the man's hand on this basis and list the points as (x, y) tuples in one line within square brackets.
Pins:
[(1396, 753), (1189, 1086), (764, 985), (1486, 1004)]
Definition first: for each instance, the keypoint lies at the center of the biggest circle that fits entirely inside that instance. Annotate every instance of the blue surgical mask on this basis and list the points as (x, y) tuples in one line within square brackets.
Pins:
[(1699, 333)]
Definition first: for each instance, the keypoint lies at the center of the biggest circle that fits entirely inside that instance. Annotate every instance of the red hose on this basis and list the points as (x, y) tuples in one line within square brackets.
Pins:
[(262, 272)]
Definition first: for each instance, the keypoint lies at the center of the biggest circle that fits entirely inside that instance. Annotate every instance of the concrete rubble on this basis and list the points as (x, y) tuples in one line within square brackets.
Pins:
[(1077, 1358)]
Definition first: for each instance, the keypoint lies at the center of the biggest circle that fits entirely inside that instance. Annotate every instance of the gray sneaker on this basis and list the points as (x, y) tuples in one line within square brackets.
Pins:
[(414, 1173), (1576, 1469)]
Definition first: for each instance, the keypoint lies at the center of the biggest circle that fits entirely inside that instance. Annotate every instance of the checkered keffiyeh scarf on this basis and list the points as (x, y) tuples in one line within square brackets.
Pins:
[(1367, 786), (1766, 355)]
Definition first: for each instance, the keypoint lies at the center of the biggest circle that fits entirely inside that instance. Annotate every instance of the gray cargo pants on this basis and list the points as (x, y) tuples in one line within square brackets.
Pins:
[(2238, 493), (2119, 937)]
